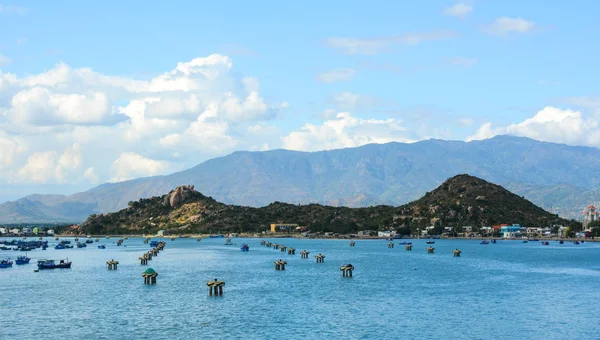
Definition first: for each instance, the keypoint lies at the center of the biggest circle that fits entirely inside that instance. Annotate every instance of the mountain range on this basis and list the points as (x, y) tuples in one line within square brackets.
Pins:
[(460, 200), (560, 178)]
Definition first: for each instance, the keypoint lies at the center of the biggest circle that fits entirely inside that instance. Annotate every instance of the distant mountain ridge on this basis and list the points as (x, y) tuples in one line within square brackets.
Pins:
[(554, 176), (460, 200)]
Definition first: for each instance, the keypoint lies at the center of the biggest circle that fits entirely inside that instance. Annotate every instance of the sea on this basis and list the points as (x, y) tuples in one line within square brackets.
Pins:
[(506, 290)]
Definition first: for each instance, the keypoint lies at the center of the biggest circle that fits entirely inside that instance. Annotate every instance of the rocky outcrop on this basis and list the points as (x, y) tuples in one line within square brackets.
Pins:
[(179, 195)]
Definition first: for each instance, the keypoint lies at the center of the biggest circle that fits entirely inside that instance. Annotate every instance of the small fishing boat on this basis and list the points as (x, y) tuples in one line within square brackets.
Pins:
[(545, 243), (485, 242), (153, 244), (81, 245), (6, 263), (51, 264), (22, 260), (561, 242), (244, 247), (525, 241), (430, 242), (59, 246), (404, 243), (101, 246), (576, 242), (89, 241)]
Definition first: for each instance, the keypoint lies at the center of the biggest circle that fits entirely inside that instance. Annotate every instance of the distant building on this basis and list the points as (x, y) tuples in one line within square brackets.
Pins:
[(275, 227), (365, 232), (590, 214), (50, 232), (160, 233), (2, 231), (510, 231)]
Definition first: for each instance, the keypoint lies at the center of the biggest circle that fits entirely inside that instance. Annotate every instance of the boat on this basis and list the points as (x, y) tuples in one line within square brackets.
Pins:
[(525, 241), (545, 243), (59, 246), (404, 243), (51, 264), (22, 260), (561, 242), (493, 241), (89, 241), (6, 263), (430, 242), (576, 242), (485, 242), (101, 246), (244, 247), (153, 244), (81, 245), (228, 242)]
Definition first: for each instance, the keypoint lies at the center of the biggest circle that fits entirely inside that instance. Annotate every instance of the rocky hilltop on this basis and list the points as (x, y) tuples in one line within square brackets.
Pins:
[(460, 200)]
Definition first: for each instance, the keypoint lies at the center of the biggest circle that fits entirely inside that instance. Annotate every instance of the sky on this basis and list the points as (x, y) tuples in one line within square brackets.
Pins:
[(95, 92)]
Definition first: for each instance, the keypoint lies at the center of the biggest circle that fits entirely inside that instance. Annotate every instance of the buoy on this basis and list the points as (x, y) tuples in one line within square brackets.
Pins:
[(390, 244)]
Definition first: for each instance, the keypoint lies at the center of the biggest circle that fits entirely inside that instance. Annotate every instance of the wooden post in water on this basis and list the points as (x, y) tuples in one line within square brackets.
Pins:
[(149, 276), (283, 248), (347, 270), (215, 287), (112, 264), (291, 251), (408, 247), (320, 258), (457, 252), (262, 242), (275, 246), (352, 243), (390, 244), (430, 250), (280, 264), (304, 254)]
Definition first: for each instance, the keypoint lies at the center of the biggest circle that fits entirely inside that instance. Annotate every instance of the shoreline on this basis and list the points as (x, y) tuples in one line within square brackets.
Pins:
[(272, 236)]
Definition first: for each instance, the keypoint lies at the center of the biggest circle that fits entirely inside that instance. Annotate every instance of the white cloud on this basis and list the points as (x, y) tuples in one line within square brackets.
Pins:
[(51, 122), (461, 61), (504, 25), (131, 165), (336, 75), (379, 44), (465, 121), (458, 10), (90, 175), (12, 9), (347, 101), (550, 124), (4, 60), (345, 131)]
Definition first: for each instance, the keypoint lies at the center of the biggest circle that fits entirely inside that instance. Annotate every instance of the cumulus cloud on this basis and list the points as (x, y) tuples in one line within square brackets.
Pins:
[(550, 124), (505, 25), (380, 44), (458, 10), (74, 123), (344, 131), (336, 75), (131, 165)]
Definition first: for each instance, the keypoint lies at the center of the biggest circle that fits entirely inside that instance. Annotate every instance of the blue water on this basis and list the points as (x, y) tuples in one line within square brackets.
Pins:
[(507, 290)]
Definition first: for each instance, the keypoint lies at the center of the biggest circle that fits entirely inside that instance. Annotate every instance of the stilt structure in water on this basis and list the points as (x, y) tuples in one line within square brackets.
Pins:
[(352, 243), (457, 252), (320, 258), (198, 239), (268, 244), (275, 246), (112, 264), (282, 248), (144, 260), (408, 247), (215, 287), (347, 270), (280, 264), (146, 240), (149, 276), (430, 250), (390, 244), (291, 251), (304, 254), (262, 242)]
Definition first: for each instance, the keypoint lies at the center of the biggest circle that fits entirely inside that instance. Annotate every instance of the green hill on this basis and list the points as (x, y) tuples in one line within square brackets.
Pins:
[(460, 200)]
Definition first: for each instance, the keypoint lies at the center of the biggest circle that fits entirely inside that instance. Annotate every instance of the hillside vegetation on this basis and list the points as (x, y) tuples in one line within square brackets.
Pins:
[(461, 200)]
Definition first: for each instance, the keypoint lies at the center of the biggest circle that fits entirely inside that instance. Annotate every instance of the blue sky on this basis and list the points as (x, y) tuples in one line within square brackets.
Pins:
[(84, 100)]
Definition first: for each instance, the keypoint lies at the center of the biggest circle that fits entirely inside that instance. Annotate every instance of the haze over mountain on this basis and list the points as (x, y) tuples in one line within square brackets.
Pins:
[(557, 177)]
